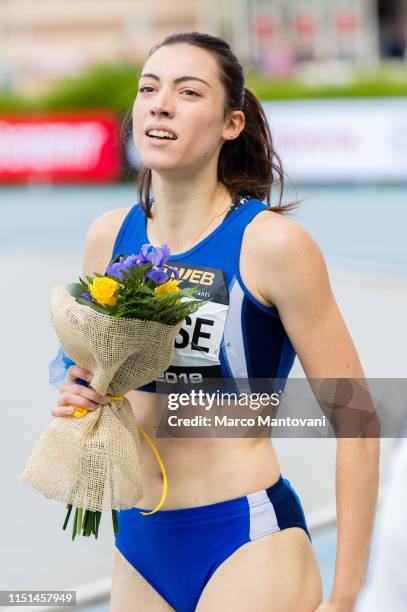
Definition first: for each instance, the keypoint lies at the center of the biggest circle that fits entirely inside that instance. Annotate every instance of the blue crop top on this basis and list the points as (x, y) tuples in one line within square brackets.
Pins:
[(233, 335)]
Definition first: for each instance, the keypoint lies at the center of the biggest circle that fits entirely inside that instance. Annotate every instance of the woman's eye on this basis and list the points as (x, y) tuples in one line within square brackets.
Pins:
[(143, 89)]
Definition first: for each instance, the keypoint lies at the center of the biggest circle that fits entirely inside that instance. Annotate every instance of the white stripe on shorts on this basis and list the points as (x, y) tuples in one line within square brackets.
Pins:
[(263, 518)]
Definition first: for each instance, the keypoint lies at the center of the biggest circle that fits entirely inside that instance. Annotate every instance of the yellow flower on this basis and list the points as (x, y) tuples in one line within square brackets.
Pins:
[(103, 290), (170, 286)]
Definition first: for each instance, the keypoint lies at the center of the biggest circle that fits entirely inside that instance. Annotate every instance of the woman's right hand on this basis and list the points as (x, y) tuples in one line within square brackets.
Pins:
[(76, 394)]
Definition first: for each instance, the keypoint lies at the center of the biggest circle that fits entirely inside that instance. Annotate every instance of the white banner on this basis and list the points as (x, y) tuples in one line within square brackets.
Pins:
[(341, 140)]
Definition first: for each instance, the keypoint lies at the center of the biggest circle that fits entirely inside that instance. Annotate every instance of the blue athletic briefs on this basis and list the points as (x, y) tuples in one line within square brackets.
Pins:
[(177, 551)]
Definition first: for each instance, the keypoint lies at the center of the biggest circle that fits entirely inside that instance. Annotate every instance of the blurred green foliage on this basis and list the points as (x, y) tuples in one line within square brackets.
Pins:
[(381, 82), (114, 87), (12, 102), (111, 87)]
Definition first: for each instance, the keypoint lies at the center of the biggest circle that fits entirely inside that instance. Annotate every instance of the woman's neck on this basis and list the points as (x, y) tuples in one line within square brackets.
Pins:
[(180, 211)]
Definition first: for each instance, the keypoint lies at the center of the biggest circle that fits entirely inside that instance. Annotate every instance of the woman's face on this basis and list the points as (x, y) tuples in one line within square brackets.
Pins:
[(191, 108)]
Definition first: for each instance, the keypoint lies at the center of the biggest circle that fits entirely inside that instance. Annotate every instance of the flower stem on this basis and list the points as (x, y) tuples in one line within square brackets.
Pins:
[(84, 522), (74, 524), (98, 516), (79, 523), (88, 526), (115, 523), (68, 514)]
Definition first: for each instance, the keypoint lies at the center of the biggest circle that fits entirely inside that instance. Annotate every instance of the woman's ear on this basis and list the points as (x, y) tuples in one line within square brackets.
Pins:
[(234, 125)]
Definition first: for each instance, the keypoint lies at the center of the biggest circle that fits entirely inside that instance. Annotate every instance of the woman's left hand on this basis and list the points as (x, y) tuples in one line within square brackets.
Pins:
[(336, 606)]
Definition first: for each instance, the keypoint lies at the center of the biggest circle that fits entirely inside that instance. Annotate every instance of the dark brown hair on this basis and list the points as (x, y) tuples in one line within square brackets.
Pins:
[(249, 164)]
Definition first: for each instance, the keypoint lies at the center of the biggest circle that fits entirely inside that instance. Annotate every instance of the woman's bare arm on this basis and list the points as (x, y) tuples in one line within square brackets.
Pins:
[(99, 244), (294, 277)]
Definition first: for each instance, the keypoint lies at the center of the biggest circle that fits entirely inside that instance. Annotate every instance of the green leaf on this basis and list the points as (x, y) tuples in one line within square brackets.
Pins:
[(190, 290), (75, 289), (146, 290), (114, 260), (93, 305)]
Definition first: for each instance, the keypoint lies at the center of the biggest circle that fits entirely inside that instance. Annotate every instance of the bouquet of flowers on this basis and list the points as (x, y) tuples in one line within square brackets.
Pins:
[(121, 326)]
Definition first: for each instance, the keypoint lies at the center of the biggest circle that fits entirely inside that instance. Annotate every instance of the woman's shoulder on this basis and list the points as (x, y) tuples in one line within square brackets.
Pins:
[(109, 220), (279, 236), (106, 226), (281, 254), (100, 239)]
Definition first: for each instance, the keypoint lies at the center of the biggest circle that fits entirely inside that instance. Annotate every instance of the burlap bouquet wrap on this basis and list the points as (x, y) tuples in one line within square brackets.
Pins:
[(94, 462)]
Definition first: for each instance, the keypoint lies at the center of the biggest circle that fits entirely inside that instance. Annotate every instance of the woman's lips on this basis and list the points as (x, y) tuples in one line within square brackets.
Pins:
[(158, 140)]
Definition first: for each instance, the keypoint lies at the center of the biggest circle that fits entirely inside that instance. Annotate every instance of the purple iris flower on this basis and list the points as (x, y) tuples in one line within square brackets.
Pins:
[(124, 263), (157, 275), (157, 255), (86, 296)]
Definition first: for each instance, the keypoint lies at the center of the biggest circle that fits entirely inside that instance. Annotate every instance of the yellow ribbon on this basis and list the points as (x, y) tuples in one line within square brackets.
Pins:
[(80, 412), (160, 463)]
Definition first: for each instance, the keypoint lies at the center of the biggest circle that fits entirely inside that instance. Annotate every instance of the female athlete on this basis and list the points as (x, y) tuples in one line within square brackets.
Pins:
[(232, 534)]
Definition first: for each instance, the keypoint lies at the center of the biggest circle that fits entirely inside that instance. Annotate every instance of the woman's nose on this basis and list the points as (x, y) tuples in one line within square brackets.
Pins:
[(157, 112), (162, 104)]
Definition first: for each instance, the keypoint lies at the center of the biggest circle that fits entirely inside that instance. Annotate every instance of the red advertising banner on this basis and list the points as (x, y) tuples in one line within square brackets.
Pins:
[(60, 147)]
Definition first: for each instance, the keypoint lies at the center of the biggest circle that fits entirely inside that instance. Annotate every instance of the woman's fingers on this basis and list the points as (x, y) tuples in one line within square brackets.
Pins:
[(77, 395), (75, 372), (68, 400), (86, 392), (60, 411), (74, 394)]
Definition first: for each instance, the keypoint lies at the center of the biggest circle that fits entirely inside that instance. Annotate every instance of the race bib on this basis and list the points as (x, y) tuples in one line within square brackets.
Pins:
[(197, 345)]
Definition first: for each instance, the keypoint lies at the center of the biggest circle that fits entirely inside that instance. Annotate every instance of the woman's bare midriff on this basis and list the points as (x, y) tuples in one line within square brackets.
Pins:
[(200, 471)]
